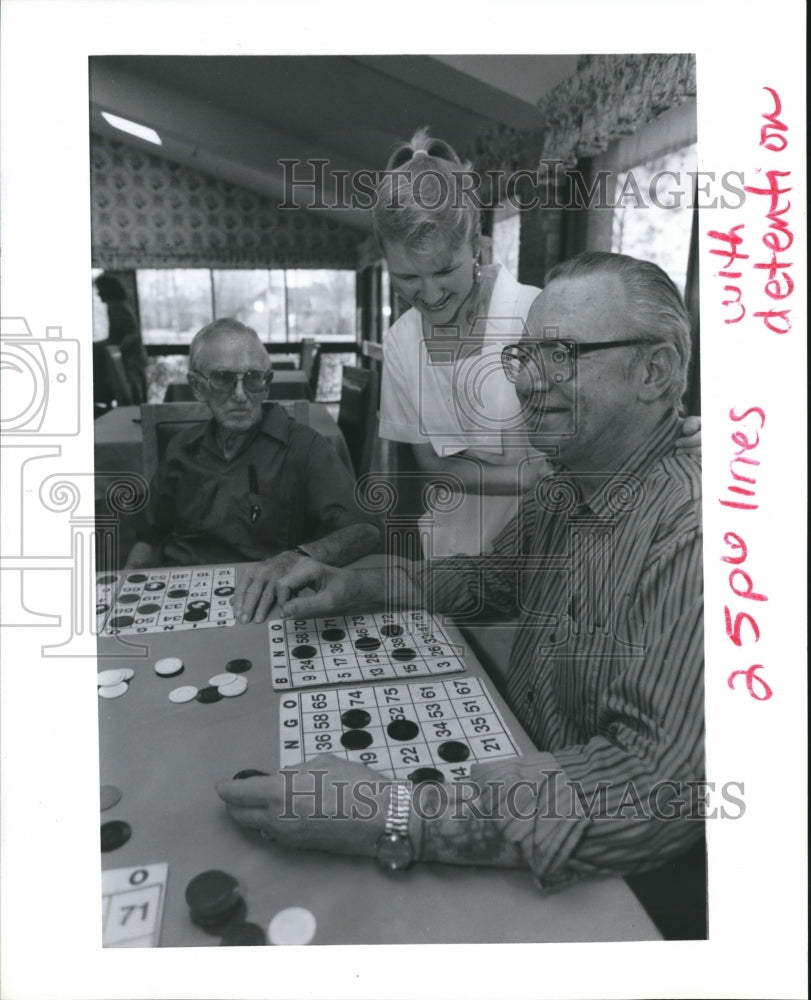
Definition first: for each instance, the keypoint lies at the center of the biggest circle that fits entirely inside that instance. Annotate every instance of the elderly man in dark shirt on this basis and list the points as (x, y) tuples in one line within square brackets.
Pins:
[(251, 484)]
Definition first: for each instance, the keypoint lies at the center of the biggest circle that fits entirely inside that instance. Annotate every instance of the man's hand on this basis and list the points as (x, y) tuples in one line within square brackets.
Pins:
[(690, 440), (337, 591), (327, 804), (144, 555), (256, 591)]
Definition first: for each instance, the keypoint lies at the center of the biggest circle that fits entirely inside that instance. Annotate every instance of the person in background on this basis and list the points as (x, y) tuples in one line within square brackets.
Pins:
[(443, 393), (124, 333), (606, 671), (251, 484)]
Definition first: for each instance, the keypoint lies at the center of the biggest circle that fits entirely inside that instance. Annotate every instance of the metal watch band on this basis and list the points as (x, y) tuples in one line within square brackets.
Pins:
[(399, 809)]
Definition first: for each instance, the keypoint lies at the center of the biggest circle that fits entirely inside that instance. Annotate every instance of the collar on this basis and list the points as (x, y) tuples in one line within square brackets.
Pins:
[(618, 491), (275, 423)]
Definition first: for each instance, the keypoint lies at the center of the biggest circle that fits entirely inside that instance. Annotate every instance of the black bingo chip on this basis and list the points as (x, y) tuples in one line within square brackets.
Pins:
[(367, 643), (423, 774), (226, 592), (406, 653), (356, 739), (155, 585), (222, 923), (137, 578), (175, 594), (453, 751), (303, 652), (114, 834), (356, 718), (238, 666), (208, 695), (121, 621), (402, 729), (250, 772), (195, 615), (149, 609), (391, 631), (102, 609), (214, 901), (333, 634), (243, 934), (128, 598), (105, 580)]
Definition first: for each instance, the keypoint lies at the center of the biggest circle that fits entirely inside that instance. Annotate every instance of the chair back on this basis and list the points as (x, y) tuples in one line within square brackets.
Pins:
[(357, 414), (159, 424), (311, 363)]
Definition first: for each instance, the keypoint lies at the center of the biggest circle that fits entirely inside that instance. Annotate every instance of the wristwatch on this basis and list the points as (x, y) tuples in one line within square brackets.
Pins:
[(395, 852)]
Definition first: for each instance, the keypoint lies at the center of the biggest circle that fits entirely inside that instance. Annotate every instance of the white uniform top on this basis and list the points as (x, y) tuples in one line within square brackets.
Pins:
[(457, 406)]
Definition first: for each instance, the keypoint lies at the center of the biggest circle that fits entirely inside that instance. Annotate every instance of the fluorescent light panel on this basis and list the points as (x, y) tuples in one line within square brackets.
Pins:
[(133, 128)]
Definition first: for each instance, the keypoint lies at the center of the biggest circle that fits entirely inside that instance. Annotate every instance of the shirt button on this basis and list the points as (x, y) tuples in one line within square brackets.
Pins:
[(530, 696)]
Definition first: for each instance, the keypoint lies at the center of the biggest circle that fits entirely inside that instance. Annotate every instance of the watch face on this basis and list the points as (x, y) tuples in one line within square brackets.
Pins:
[(395, 852)]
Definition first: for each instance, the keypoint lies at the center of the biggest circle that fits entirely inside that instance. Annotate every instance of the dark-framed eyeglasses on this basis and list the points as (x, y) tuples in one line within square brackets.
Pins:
[(223, 382), (554, 360)]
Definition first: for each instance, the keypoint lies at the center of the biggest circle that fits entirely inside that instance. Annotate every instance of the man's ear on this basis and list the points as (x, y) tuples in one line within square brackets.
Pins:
[(660, 369), (197, 385)]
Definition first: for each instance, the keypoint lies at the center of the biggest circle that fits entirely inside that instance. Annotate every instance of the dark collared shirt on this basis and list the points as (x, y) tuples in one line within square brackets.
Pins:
[(285, 487), (606, 671)]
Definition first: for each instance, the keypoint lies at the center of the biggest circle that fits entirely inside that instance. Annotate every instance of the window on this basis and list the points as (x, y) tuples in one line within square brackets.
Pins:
[(660, 233), (506, 236), (282, 306)]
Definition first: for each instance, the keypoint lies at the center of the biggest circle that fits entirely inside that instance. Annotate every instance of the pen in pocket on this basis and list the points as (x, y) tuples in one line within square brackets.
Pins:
[(254, 510)]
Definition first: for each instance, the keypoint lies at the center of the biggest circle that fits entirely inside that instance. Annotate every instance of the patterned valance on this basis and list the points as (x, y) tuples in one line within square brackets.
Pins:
[(611, 96), (151, 212)]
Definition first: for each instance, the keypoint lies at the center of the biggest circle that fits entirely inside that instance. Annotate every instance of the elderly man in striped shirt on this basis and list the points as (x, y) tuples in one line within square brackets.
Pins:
[(603, 567)]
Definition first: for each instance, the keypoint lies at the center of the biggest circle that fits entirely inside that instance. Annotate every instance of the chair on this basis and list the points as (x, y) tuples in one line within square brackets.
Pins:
[(357, 414), (311, 363), (161, 421)]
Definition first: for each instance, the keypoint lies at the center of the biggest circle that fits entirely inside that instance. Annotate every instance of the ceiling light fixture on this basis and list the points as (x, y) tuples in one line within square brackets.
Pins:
[(133, 128)]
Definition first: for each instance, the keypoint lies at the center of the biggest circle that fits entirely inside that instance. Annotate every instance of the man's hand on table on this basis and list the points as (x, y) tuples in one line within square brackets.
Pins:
[(256, 591), (342, 809)]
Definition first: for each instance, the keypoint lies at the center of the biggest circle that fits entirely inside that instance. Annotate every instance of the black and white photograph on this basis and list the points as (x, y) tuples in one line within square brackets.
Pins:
[(395, 523)]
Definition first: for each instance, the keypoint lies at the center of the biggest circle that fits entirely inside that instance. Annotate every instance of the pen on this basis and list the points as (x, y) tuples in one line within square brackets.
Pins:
[(254, 510)]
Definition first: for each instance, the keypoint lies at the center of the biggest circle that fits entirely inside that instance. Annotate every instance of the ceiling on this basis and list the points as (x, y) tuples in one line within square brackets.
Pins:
[(235, 117)]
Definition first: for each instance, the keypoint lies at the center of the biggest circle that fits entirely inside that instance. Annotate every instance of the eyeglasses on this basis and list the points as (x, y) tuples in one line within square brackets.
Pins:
[(224, 382), (553, 360)]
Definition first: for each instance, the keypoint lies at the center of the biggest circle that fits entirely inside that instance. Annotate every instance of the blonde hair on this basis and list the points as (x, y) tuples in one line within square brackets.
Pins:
[(422, 197)]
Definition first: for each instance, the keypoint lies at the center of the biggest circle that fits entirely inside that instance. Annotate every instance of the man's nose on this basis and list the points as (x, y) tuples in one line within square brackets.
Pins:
[(239, 389)]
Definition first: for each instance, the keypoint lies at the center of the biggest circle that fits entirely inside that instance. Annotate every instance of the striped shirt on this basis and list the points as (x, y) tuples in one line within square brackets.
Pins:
[(606, 672)]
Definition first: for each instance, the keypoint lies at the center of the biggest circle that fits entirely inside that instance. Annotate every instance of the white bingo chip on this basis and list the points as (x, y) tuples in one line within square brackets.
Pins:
[(295, 925), (128, 673), (169, 666), (181, 694), (219, 680), (114, 691), (238, 686), (109, 678)]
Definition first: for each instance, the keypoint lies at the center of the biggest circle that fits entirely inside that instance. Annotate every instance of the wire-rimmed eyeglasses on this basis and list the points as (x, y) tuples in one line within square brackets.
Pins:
[(553, 360), (224, 381)]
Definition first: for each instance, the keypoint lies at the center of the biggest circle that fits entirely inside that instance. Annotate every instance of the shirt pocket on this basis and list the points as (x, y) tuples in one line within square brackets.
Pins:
[(259, 519)]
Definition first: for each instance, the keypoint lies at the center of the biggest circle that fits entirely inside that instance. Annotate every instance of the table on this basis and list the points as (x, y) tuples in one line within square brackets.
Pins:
[(119, 442), (285, 385), (165, 758)]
